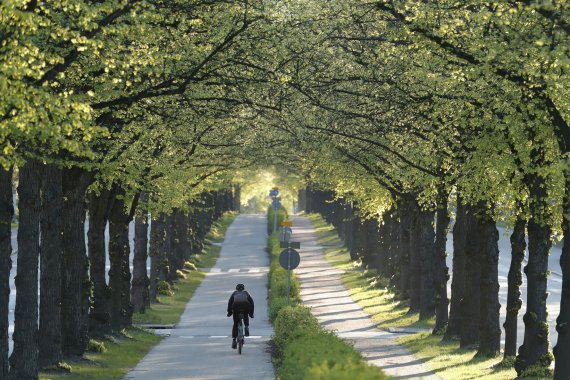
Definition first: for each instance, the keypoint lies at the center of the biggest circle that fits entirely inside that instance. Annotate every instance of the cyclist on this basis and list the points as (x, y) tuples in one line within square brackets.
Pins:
[(240, 302)]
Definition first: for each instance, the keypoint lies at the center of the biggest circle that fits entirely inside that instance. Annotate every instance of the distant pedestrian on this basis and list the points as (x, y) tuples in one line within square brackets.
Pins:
[(240, 302)]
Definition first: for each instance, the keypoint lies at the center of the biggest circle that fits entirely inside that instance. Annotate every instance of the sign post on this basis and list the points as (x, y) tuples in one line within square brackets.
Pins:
[(286, 230), (289, 259), (275, 205)]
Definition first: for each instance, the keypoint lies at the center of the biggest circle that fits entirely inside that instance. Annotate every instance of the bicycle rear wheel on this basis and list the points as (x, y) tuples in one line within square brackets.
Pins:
[(240, 345)]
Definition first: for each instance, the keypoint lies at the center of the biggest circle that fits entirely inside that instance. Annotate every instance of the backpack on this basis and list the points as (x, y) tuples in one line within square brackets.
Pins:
[(241, 301)]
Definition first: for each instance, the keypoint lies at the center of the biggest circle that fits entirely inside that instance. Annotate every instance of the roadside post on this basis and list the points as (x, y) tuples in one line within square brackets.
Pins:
[(286, 230), (289, 259), (275, 205)]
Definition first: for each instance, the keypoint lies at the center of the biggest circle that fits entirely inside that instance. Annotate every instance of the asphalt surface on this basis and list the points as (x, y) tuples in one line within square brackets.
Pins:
[(199, 346), (322, 290)]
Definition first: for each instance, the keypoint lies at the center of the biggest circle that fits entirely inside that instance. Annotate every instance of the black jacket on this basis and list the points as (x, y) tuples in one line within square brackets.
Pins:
[(231, 302)]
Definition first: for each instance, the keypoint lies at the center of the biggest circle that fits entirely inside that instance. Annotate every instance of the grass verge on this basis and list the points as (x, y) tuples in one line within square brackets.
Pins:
[(303, 349), (114, 358), (120, 355), (372, 293)]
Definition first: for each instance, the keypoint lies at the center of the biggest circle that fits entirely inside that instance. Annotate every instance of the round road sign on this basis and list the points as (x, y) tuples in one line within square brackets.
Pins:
[(289, 259)]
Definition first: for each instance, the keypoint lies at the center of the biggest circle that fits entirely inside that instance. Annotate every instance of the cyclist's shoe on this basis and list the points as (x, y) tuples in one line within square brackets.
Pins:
[(246, 331), (234, 343)]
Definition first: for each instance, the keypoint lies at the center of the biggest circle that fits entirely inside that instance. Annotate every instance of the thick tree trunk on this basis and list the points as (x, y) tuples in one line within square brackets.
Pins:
[(374, 244), (534, 350), (415, 259), (24, 358), (155, 252), (470, 302), (562, 348), (489, 324), (441, 271), (120, 273), (481, 303), (99, 205), (379, 245), (50, 265), (141, 282), (426, 253), (236, 206), (170, 247), (405, 238), (514, 303), (183, 244), (394, 248), (348, 228), (6, 213), (75, 281), (453, 330)]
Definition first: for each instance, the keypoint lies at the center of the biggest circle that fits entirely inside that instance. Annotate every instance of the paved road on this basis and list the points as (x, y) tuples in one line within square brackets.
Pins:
[(199, 346), (322, 290)]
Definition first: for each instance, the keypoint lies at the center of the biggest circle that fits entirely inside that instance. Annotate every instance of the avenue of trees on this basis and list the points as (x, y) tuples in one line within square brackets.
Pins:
[(392, 112)]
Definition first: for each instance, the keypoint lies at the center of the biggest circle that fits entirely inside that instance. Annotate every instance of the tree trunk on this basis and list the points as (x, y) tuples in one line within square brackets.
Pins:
[(24, 358), (140, 283), (156, 249), (514, 303), (181, 226), (453, 330), (6, 213), (405, 238), (534, 350), (415, 260), (426, 253), (441, 271), (120, 273), (562, 348), (470, 302), (50, 265), (374, 244), (99, 205), (237, 199), (359, 246), (489, 324), (171, 247), (75, 281), (394, 249)]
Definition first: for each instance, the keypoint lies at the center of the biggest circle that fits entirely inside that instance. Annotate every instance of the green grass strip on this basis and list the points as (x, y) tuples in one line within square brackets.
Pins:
[(303, 349), (121, 354), (116, 356), (372, 293)]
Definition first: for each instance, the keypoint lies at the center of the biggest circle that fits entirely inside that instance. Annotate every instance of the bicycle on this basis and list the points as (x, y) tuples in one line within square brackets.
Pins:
[(241, 333)]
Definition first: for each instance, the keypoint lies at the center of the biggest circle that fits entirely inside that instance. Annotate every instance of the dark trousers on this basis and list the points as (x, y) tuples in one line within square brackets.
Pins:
[(236, 322)]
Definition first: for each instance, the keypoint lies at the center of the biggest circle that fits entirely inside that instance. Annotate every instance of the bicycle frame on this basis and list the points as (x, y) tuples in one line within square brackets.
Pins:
[(241, 333)]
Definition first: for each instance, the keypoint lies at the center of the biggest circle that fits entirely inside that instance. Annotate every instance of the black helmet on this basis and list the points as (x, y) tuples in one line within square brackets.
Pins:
[(240, 287)]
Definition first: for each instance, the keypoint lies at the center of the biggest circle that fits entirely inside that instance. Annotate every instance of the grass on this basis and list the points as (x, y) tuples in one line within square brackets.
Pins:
[(371, 292), (451, 362), (127, 350), (170, 308), (121, 355)]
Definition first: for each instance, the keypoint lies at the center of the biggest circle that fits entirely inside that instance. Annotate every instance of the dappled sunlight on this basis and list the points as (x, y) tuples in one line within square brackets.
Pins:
[(440, 356)]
